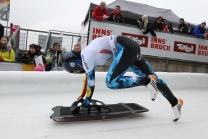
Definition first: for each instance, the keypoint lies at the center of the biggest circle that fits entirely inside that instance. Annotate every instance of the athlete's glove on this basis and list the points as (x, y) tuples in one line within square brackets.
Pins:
[(86, 103)]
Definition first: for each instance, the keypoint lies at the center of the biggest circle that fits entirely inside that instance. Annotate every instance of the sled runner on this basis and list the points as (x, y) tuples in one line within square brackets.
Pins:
[(97, 110)]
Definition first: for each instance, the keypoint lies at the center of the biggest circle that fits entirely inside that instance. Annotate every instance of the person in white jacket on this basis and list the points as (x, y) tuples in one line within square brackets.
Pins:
[(127, 56)]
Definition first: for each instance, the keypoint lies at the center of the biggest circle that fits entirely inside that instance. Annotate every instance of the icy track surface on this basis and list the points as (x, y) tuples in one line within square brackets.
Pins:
[(26, 99)]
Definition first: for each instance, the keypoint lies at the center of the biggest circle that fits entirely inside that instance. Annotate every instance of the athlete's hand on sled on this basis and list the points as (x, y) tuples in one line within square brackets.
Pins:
[(86, 103)]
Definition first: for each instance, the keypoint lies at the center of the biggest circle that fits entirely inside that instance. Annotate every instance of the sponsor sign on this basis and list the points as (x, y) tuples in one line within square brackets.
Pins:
[(166, 45), (184, 47), (99, 32), (160, 44), (140, 39), (203, 50)]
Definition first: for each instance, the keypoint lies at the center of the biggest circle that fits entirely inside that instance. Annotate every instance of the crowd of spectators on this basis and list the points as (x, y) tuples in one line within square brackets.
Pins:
[(101, 13), (54, 56), (52, 60)]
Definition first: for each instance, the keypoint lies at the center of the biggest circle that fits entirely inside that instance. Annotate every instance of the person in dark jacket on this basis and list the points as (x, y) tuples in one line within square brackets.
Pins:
[(170, 27), (156, 25), (1, 30), (116, 15), (73, 56), (182, 28), (29, 56)]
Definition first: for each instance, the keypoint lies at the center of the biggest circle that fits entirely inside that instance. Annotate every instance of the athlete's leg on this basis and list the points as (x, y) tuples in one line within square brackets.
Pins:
[(143, 68), (126, 56), (90, 83)]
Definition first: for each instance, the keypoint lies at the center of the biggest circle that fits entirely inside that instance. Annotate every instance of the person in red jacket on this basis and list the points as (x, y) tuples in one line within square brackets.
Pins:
[(116, 15), (100, 12)]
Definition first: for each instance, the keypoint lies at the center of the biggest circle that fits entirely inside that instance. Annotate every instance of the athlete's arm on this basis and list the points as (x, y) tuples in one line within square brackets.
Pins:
[(88, 87), (84, 87), (90, 83)]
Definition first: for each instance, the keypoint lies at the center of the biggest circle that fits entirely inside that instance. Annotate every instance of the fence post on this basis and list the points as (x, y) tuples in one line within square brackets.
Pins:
[(26, 39)]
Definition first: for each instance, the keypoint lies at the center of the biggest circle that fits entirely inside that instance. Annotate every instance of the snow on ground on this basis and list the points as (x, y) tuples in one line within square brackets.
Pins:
[(26, 99)]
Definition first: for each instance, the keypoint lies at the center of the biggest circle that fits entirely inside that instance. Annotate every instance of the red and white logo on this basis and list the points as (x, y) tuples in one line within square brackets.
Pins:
[(203, 50), (141, 40), (159, 44), (184, 47), (99, 32)]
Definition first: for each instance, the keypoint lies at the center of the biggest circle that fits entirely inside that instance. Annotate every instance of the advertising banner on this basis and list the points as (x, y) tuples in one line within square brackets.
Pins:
[(166, 45)]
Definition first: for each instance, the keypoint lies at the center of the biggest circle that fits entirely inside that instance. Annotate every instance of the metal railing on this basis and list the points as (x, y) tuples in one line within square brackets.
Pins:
[(27, 37), (67, 40)]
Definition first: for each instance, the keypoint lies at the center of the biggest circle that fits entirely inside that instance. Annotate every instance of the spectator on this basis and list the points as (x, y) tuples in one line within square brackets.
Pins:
[(1, 30), (116, 15), (54, 57), (74, 56), (6, 51), (39, 48), (199, 30), (156, 25), (182, 28), (100, 12), (29, 56), (77, 48), (164, 26), (170, 27), (143, 22)]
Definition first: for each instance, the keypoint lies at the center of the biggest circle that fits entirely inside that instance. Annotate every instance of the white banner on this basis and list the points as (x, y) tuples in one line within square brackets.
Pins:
[(166, 45), (39, 61)]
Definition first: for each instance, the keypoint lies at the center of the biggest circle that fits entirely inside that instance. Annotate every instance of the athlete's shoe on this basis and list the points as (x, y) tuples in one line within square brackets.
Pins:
[(177, 110), (152, 86)]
